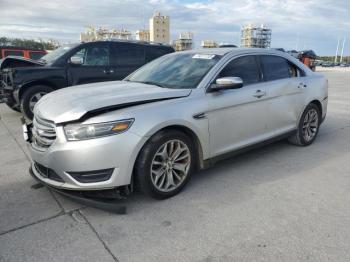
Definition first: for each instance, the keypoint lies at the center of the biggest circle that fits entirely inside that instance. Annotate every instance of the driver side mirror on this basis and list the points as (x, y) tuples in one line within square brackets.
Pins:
[(226, 83), (76, 60)]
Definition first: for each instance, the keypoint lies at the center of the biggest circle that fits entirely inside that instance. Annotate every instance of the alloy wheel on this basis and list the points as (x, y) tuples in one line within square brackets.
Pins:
[(310, 125), (170, 165)]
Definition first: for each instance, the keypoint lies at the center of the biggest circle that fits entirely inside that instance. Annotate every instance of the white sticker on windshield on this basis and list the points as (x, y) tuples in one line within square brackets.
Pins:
[(203, 56)]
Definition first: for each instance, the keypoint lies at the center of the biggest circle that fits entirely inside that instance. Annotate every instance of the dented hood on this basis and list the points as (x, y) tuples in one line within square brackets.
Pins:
[(74, 103), (18, 61)]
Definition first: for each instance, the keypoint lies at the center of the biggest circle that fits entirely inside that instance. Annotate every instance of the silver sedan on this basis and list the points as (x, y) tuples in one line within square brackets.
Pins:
[(175, 115)]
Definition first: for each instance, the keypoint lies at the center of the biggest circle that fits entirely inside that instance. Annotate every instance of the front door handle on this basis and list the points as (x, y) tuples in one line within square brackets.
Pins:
[(259, 94), (108, 71)]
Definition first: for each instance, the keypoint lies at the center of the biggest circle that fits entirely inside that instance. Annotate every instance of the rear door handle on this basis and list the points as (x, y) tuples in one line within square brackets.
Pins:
[(259, 94), (302, 85)]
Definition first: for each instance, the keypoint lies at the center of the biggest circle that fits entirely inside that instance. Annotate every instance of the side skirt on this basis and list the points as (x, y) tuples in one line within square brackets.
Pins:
[(212, 161)]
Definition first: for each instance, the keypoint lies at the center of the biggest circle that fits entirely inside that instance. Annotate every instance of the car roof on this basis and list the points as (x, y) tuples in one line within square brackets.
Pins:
[(232, 50)]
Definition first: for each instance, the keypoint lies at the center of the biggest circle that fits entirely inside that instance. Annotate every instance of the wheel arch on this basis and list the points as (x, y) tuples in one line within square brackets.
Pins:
[(318, 104), (34, 83), (187, 131)]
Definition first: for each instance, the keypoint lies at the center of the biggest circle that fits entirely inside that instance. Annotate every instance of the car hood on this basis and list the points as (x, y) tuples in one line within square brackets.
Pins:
[(17, 61), (73, 103)]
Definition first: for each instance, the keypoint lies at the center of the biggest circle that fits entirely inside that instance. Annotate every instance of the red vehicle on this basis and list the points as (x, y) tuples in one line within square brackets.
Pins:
[(23, 52)]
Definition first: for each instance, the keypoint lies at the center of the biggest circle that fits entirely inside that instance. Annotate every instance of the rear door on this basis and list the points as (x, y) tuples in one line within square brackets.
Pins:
[(126, 58), (284, 88), (95, 66)]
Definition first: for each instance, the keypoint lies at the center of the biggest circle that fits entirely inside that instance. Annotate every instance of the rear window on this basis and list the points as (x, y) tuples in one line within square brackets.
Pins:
[(275, 67), (13, 53)]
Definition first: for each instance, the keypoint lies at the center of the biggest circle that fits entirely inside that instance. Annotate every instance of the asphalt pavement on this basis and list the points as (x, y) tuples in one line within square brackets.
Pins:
[(277, 203)]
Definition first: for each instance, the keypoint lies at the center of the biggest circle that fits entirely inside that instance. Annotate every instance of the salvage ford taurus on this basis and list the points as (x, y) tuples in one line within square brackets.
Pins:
[(174, 115)]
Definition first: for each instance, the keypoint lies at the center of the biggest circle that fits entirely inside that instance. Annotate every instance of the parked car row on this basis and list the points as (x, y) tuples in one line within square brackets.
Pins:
[(25, 81), (331, 64), (177, 114)]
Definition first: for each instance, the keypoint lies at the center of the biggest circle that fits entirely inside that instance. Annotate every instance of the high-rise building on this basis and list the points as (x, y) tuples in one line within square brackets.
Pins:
[(159, 28), (255, 36), (184, 42), (142, 35)]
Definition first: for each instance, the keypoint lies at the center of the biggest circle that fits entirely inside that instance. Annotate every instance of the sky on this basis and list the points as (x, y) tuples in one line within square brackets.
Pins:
[(302, 24)]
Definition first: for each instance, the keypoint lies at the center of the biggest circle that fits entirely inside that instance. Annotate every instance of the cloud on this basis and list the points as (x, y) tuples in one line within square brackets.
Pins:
[(318, 23)]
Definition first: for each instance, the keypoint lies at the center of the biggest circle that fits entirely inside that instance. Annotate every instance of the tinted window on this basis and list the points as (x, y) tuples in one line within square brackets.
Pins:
[(93, 56), (36, 55), (13, 52), (275, 67), (153, 53), (244, 67), (128, 55)]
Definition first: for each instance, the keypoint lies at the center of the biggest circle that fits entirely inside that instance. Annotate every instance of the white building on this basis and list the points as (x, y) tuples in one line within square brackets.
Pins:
[(91, 34), (185, 42), (142, 35), (255, 36), (209, 44), (159, 28)]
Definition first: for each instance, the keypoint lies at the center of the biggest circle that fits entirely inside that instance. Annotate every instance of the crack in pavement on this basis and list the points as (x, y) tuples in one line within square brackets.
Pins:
[(99, 237)]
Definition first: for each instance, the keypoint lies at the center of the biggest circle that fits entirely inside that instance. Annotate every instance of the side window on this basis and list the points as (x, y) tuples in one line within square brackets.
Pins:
[(93, 56), (275, 67), (13, 52), (128, 55), (36, 55), (244, 67), (153, 53), (295, 71)]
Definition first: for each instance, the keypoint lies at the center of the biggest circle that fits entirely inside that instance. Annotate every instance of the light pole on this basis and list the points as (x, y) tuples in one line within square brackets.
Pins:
[(342, 50)]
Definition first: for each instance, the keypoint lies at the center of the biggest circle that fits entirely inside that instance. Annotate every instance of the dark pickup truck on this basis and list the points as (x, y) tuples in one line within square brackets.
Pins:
[(23, 81)]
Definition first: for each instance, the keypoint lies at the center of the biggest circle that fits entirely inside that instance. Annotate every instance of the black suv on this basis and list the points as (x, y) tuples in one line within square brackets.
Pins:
[(24, 82)]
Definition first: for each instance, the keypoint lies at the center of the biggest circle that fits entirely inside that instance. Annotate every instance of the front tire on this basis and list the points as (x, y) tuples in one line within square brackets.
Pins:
[(165, 164), (308, 126), (30, 97)]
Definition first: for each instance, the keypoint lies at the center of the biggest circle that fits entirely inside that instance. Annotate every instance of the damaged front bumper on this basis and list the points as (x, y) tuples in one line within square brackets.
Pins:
[(110, 200)]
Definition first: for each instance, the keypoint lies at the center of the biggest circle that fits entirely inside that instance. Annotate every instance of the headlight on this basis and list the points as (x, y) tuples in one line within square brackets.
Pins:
[(76, 132)]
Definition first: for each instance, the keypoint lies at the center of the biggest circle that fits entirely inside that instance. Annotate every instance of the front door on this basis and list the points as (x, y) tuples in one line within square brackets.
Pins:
[(237, 117), (93, 66)]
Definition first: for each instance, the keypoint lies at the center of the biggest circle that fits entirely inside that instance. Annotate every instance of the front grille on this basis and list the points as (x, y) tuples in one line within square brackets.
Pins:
[(47, 172), (44, 133)]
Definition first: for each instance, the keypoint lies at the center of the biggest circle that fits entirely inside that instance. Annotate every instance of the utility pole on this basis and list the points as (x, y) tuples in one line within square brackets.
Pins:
[(336, 53), (342, 50)]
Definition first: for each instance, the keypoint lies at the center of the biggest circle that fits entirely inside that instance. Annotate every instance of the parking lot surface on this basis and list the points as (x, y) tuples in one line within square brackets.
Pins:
[(277, 203)]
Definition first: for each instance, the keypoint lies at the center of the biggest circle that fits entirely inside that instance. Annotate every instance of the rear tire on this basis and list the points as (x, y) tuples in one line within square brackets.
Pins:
[(12, 104), (30, 97), (308, 127), (165, 164)]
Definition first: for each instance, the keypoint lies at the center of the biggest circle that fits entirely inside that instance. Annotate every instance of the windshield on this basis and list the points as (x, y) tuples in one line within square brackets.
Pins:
[(175, 71), (52, 56)]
